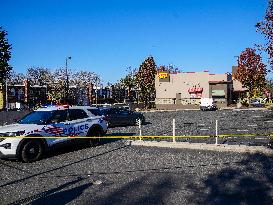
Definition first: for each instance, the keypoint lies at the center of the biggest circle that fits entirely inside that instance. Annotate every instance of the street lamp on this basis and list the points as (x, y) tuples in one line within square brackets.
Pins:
[(96, 91), (6, 85), (67, 78)]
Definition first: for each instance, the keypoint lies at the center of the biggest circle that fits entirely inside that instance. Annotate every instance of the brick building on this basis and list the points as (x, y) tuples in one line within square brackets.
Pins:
[(26, 95)]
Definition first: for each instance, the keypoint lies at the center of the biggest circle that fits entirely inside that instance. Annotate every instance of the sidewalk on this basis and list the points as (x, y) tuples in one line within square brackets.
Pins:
[(203, 146)]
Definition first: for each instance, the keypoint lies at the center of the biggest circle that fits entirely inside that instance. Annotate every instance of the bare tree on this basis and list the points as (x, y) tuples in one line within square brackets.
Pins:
[(16, 78), (39, 75)]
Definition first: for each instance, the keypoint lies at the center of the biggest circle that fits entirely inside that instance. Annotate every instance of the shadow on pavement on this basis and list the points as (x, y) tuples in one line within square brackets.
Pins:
[(57, 195), (139, 192), (250, 183), (244, 185), (80, 144), (63, 166)]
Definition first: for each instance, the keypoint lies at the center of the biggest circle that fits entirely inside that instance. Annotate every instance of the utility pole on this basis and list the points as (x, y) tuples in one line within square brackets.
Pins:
[(96, 78), (67, 78)]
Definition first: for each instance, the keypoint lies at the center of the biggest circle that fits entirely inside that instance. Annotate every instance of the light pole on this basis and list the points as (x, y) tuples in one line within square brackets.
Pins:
[(6, 85), (67, 78), (97, 79)]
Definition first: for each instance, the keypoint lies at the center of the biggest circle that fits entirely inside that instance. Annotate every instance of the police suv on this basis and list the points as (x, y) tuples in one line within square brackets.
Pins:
[(49, 126)]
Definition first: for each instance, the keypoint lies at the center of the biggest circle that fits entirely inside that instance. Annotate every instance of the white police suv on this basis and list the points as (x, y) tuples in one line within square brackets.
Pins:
[(60, 123)]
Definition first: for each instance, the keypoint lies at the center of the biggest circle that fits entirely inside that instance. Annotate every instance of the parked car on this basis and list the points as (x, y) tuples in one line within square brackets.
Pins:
[(60, 122), (257, 102), (119, 116), (207, 104)]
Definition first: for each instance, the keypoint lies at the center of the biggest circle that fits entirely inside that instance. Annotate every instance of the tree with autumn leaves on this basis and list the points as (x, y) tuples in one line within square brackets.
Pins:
[(251, 72), (145, 79), (265, 27)]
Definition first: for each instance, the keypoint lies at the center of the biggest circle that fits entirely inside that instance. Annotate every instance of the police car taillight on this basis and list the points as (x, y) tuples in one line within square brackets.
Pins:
[(65, 106)]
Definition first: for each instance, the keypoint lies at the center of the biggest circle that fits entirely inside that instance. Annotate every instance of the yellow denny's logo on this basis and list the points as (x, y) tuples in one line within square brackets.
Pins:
[(163, 75)]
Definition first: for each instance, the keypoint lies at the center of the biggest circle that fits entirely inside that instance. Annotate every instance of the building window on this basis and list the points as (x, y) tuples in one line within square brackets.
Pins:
[(12, 92), (20, 94)]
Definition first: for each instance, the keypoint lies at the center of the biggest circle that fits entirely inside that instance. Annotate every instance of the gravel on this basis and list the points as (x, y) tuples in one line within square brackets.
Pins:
[(198, 123), (115, 173)]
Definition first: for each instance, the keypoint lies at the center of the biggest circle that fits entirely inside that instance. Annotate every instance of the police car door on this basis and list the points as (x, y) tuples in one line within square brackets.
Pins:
[(78, 125), (58, 125)]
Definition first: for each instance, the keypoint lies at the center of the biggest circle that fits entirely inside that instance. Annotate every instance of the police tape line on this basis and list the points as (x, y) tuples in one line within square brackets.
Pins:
[(137, 137)]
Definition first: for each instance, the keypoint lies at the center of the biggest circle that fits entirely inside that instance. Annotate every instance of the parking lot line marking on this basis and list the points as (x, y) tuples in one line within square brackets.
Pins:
[(269, 121)]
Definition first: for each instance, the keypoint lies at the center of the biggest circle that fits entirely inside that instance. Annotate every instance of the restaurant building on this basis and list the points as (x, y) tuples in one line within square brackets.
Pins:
[(184, 90)]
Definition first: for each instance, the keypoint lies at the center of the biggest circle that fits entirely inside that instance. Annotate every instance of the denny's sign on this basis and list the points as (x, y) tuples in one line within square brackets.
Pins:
[(163, 75)]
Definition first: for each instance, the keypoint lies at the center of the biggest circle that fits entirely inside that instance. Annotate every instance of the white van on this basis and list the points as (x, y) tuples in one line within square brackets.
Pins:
[(207, 104)]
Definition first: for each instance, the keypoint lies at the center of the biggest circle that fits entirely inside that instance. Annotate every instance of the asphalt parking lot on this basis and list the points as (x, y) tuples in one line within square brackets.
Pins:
[(198, 123), (115, 173)]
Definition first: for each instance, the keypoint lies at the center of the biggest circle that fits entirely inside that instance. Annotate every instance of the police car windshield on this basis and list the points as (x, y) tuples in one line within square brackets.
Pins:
[(36, 117)]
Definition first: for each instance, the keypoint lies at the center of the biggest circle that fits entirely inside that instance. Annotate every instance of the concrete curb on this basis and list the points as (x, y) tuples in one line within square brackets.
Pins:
[(203, 146), (223, 108)]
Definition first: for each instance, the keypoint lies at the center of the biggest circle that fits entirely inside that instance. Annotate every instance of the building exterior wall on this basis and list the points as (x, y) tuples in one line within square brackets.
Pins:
[(176, 89), (180, 83), (237, 85)]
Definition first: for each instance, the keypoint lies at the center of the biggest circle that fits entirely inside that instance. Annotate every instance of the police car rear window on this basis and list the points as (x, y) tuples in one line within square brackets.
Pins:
[(75, 114), (95, 111)]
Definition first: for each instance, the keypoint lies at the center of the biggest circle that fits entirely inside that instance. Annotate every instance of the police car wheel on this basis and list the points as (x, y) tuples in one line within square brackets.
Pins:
[(31, 150), (95, 141)]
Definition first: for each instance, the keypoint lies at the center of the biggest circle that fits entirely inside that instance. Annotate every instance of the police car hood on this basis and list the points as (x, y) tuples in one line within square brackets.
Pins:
[(18, 127)]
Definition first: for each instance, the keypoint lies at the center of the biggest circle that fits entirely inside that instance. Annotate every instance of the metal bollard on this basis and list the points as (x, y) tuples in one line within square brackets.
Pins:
[(216, 132), (139, 126), (174, 140)]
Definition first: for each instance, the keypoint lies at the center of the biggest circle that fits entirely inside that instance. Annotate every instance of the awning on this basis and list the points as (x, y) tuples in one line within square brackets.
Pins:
[(218, 93)]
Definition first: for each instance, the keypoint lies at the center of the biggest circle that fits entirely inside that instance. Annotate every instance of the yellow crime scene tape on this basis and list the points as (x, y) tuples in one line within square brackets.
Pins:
[(137, 137)]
